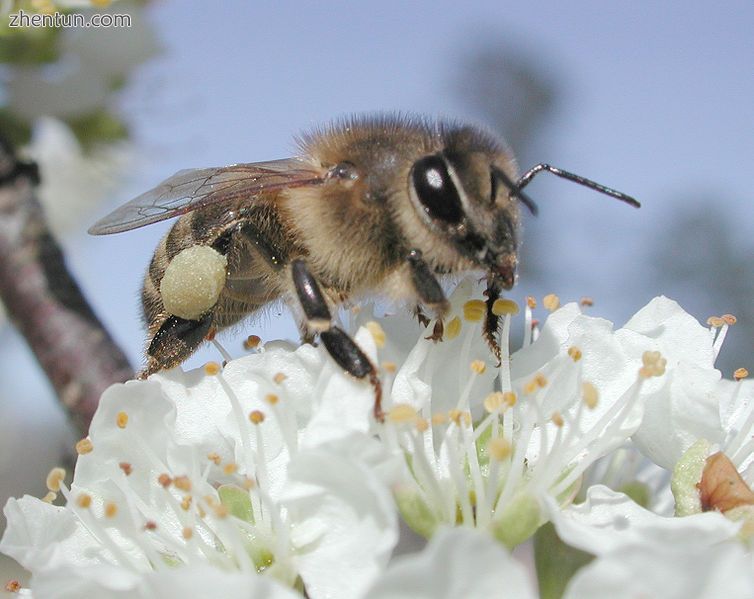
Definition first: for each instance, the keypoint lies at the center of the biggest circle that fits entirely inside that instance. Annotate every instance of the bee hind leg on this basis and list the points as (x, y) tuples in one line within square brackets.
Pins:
[(338, 344), (174, 342)]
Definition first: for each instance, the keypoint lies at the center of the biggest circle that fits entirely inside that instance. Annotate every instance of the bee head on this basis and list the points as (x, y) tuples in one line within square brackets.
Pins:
[(463, 193)]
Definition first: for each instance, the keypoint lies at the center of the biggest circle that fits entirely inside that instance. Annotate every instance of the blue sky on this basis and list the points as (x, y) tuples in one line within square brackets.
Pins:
[(655, 99)]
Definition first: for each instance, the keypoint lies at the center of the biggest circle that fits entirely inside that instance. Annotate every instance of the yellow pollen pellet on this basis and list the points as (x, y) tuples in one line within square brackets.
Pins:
[(586, 301), (499, 448), (279, 377), (186, 503), (50, 497), (551, 302), (453, 328), (212, 368), (557, 419), (230, 468), (474, 310), (478, 367), (214, 457), (504, 307), (13, 586), (182, 482), (220, 510), (439, 418), (54, 478), (729, 319), (422, 424), (378, 333), (84, 446), (541, 380), (575, 353), (150, 525), (390, 367), (740, 373), (531, 302), (111, 510), (256, 417), (590, 394), (187, 533), (121, 419), (271, 399), (164, 480), (252, 342), (402, 413), (84, 501), (494, 402)]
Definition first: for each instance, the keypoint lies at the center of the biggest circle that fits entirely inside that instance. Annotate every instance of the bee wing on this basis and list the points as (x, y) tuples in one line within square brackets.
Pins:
[(191, 189)]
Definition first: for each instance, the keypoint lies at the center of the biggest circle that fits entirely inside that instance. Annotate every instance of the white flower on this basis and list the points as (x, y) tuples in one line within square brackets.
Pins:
[(239, 470), (566, 399)]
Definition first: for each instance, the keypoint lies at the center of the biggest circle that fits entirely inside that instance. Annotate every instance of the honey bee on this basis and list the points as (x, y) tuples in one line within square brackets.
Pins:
[(381, 204)]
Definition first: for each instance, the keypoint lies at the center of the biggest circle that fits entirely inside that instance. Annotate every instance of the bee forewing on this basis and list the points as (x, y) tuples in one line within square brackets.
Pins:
[(191, 189)]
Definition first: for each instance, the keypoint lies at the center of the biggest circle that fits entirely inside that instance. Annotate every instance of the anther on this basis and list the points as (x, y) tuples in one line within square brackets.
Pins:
[(715, 322), (230, 468), (121, 419), (586, 302), (499, 448), (422, 424), (84, 446), (186, 502), (221, 511), (504, 307), (557, 419), (378, 333), (439, 418), (54, 478), (531, 302), (12, 586), (111, 509), (478, 367), (279, 377), (256, 417), (390, 367), (164, 480), (402, 413), (214, 457), (84, 501), (740, 374), (212, 368), (182, 482), (575, 353), (271, 399), (551, 302), (541, 380), (252, 342), (187, 533), (126, 467), (494, 402), (150, 525), (590, 394), (453, 328), (729, 319), (474, 310), (50, 497)]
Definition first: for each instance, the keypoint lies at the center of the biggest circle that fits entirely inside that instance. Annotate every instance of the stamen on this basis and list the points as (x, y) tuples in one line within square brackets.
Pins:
[(575, 353), (474, 310), (500, 449), (531, 302), (226, 356), (256, 417), (212, 368), (84, 446), (182, 483), (590, 394), (230, 468), (502, 307), (214, 457), (271, 399), (551, 302), (378, 333), (279, 378), (453, 328), (111, 509), (84, 501), (13, 586), (50, 497), (740, 373), (478, 367), (390, 367), (586, 302), (164, 480), (252, 342), (402, 414), (54, 478), (121, 420)]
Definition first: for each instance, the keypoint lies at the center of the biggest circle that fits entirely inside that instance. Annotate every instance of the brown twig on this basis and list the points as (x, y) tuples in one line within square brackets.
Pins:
[(44, 302)]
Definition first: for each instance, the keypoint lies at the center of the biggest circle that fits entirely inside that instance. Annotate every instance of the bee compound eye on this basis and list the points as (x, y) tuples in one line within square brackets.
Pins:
[(436, 190)]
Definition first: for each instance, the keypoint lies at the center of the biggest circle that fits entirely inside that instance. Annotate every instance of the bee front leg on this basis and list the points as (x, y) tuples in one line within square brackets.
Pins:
[(338, 344), (491, 321), (175, 341), (429, 291)]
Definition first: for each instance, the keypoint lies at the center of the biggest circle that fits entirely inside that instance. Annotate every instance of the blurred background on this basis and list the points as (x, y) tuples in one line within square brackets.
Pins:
[(654, 99)]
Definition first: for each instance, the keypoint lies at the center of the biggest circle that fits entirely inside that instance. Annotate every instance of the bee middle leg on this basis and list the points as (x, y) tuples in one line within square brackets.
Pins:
[(429, 291), (338, 344)]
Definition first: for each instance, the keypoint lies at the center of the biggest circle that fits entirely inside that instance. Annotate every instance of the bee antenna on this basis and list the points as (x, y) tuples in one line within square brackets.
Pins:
[(515, 189), (529, 175)]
